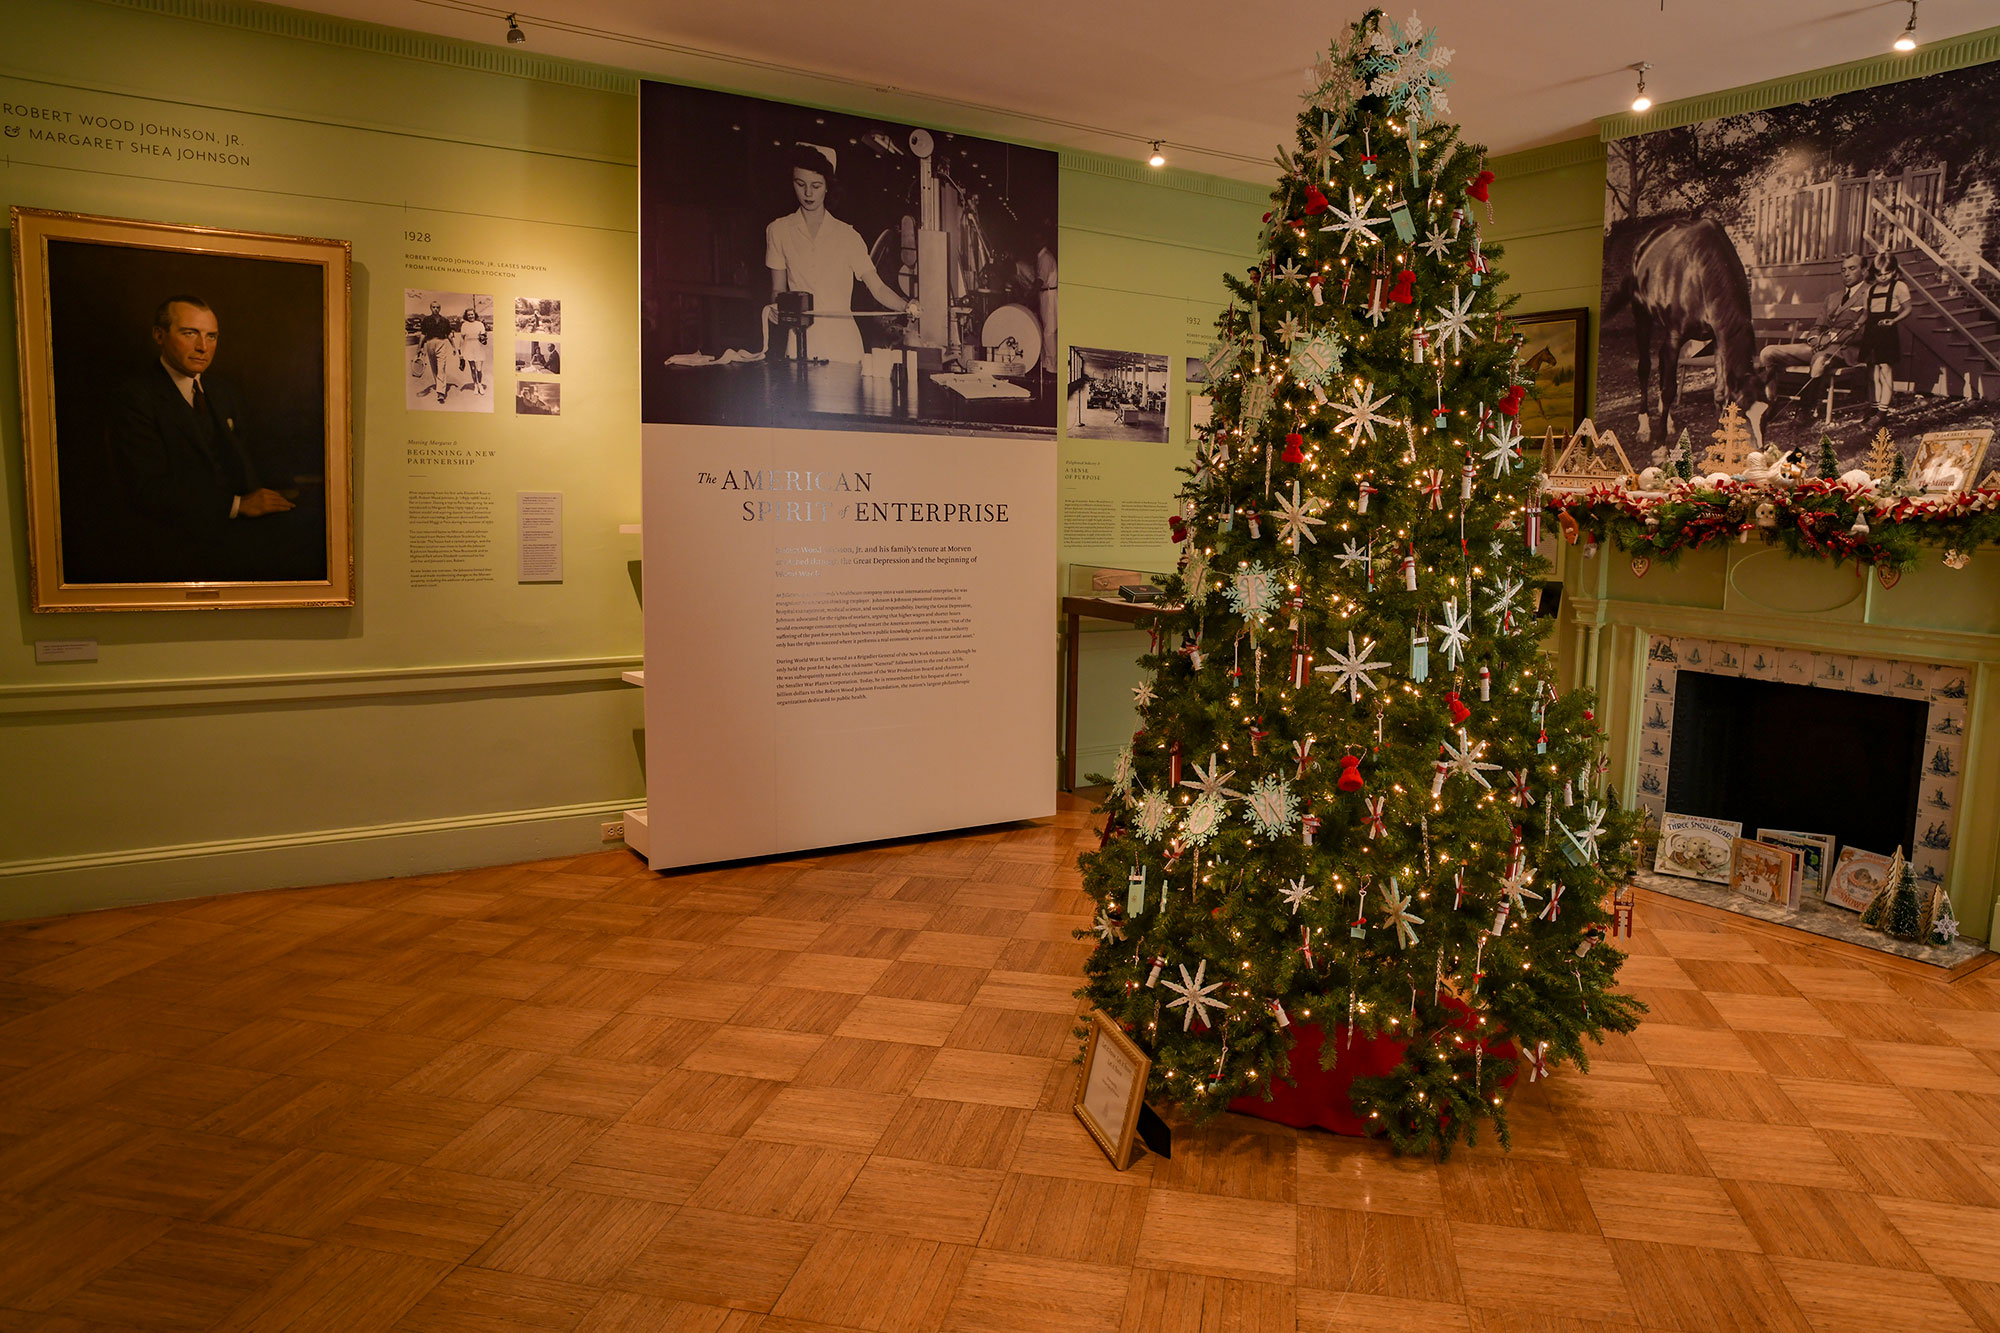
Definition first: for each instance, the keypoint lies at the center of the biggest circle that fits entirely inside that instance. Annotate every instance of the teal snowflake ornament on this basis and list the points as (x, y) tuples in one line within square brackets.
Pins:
[(1203, 818), (1316, 361)]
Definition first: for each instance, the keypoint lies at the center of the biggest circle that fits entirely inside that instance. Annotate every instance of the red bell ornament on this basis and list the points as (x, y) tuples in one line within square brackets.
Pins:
[(1350, 773)]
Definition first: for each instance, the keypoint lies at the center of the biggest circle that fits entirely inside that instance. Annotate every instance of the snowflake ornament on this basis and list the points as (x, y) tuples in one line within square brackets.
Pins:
[(1455, 628), (1273, 809), (1362, 412), (1505, 592), (1204, 817), (1454, 320), (1435, 244), (1585, 836), (1296, 894), (1405, 69), (1121, 771), (1150, 812), (1289, 330), (1356, 222), (1316, 361), (1396, 912), (1290, 272), (1195, 998), (1515, 888), (1215, 782), (1467, 758), (1254, 590), (1108, 927), (1142, 694), (1352, 554), (1297, 518), (1505, 453), (1350, 669), (1194, 578), (1322, 147)]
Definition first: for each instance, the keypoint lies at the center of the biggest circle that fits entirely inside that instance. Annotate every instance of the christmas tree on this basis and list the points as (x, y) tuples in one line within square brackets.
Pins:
[(1829, 462), (1356, 798)]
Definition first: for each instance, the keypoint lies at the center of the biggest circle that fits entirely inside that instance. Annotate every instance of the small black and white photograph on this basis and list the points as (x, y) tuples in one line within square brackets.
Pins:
[(809, 269), (537, 398), (1197, 370), (448, 338), (536, 317), (1830, 267), (1116, 396), (536, 356)]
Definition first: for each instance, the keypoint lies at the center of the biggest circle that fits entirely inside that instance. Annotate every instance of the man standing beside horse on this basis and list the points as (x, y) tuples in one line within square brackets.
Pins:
[(1833, 342)]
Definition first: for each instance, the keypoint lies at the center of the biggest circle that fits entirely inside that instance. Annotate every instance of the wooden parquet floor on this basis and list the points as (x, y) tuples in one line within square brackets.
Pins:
[(831, 1093)]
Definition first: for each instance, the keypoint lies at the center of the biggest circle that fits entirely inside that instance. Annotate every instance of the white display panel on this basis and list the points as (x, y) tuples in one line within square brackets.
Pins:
[(849, 636)]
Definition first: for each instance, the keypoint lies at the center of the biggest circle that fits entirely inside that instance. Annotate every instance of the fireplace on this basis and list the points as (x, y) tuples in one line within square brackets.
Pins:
[(1867, 750)]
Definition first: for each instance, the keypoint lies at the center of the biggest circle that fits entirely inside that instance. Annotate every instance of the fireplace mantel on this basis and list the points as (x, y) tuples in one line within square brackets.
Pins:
[(1760, 595)]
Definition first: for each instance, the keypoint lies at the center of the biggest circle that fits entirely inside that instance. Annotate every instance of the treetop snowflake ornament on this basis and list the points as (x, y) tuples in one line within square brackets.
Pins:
[(1406, 70)]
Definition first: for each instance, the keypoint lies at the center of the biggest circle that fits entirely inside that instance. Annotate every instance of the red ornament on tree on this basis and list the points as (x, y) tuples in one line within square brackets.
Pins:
[(1315, 201), (1294, 448), (1510, 401), (1403, 291), (1178, 527), (1459, 712), (1350, 773), (1481, 184)]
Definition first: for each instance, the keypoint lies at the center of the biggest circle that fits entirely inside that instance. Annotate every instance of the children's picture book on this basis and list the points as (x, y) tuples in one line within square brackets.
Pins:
[(1857, 877), (1694, 847), (1764, 871), (1816, 856)]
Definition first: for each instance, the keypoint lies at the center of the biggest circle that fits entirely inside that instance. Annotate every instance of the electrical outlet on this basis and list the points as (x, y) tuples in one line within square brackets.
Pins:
[(612, 830)]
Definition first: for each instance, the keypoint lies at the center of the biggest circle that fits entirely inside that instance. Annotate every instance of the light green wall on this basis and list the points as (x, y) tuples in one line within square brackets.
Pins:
[(425, 728)]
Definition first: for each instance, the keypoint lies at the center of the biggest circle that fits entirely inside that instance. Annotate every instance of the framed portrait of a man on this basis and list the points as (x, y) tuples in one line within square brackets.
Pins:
[(185, 415)]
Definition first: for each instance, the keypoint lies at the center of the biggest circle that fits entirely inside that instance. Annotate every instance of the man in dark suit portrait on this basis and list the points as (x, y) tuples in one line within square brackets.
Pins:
[(177, 443)]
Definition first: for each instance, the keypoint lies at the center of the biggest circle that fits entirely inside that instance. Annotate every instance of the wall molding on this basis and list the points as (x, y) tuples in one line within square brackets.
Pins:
[(132, 876), (1549, 157), (1974, 48), (1167, 178), (303, 686)]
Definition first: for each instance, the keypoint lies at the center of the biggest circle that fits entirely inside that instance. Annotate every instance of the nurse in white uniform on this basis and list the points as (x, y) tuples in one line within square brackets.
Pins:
[(811, 250)]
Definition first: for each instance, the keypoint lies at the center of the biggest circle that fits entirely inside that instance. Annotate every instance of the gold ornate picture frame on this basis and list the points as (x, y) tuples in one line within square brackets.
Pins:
[(1112, 1088), (152, 488)]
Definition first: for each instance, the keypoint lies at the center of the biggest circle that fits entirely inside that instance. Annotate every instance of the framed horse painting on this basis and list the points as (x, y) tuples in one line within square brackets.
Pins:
[(1556, 354)]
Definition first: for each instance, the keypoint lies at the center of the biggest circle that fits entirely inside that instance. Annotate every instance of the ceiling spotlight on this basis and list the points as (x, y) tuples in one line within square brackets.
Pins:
[(1907, 39), (514, 34), (1158, 159), (1642, 102)]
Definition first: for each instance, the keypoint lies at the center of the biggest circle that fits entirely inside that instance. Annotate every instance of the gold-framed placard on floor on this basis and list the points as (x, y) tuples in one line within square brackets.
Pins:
[(185, 411), (1112, 1090)]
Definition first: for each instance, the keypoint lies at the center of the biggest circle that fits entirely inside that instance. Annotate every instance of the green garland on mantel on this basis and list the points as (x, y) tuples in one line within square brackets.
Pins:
[(1815, 519)]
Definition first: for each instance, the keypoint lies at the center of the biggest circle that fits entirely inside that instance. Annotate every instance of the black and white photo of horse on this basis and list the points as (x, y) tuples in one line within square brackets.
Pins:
[(1831, 268)]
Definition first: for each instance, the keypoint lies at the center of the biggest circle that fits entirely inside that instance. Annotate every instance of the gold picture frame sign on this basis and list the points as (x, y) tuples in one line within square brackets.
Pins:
[(142, 527), (1112, 1089)]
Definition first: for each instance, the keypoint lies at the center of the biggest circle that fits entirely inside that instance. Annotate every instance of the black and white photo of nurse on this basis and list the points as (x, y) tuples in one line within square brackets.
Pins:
[(810, 250)]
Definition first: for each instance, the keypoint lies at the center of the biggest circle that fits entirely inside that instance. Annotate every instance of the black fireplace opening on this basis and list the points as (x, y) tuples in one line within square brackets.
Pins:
[(1773, 755)]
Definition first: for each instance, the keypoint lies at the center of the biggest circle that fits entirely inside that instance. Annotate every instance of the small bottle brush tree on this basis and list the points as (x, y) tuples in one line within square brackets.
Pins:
[(1356, 798)]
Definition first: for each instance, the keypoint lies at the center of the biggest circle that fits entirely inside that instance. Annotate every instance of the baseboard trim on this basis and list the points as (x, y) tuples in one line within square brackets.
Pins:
[(58, 885)]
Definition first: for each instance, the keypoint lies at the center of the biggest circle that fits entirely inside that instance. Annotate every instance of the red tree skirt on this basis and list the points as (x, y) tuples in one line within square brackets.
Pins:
[(1322, 1096)]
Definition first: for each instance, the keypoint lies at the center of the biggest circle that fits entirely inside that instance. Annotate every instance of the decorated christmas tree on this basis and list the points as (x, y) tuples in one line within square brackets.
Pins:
[(1356, 798)]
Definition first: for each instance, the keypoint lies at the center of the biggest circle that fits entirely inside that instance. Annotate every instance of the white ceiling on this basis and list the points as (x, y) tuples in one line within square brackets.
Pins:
[(1219, 82)]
